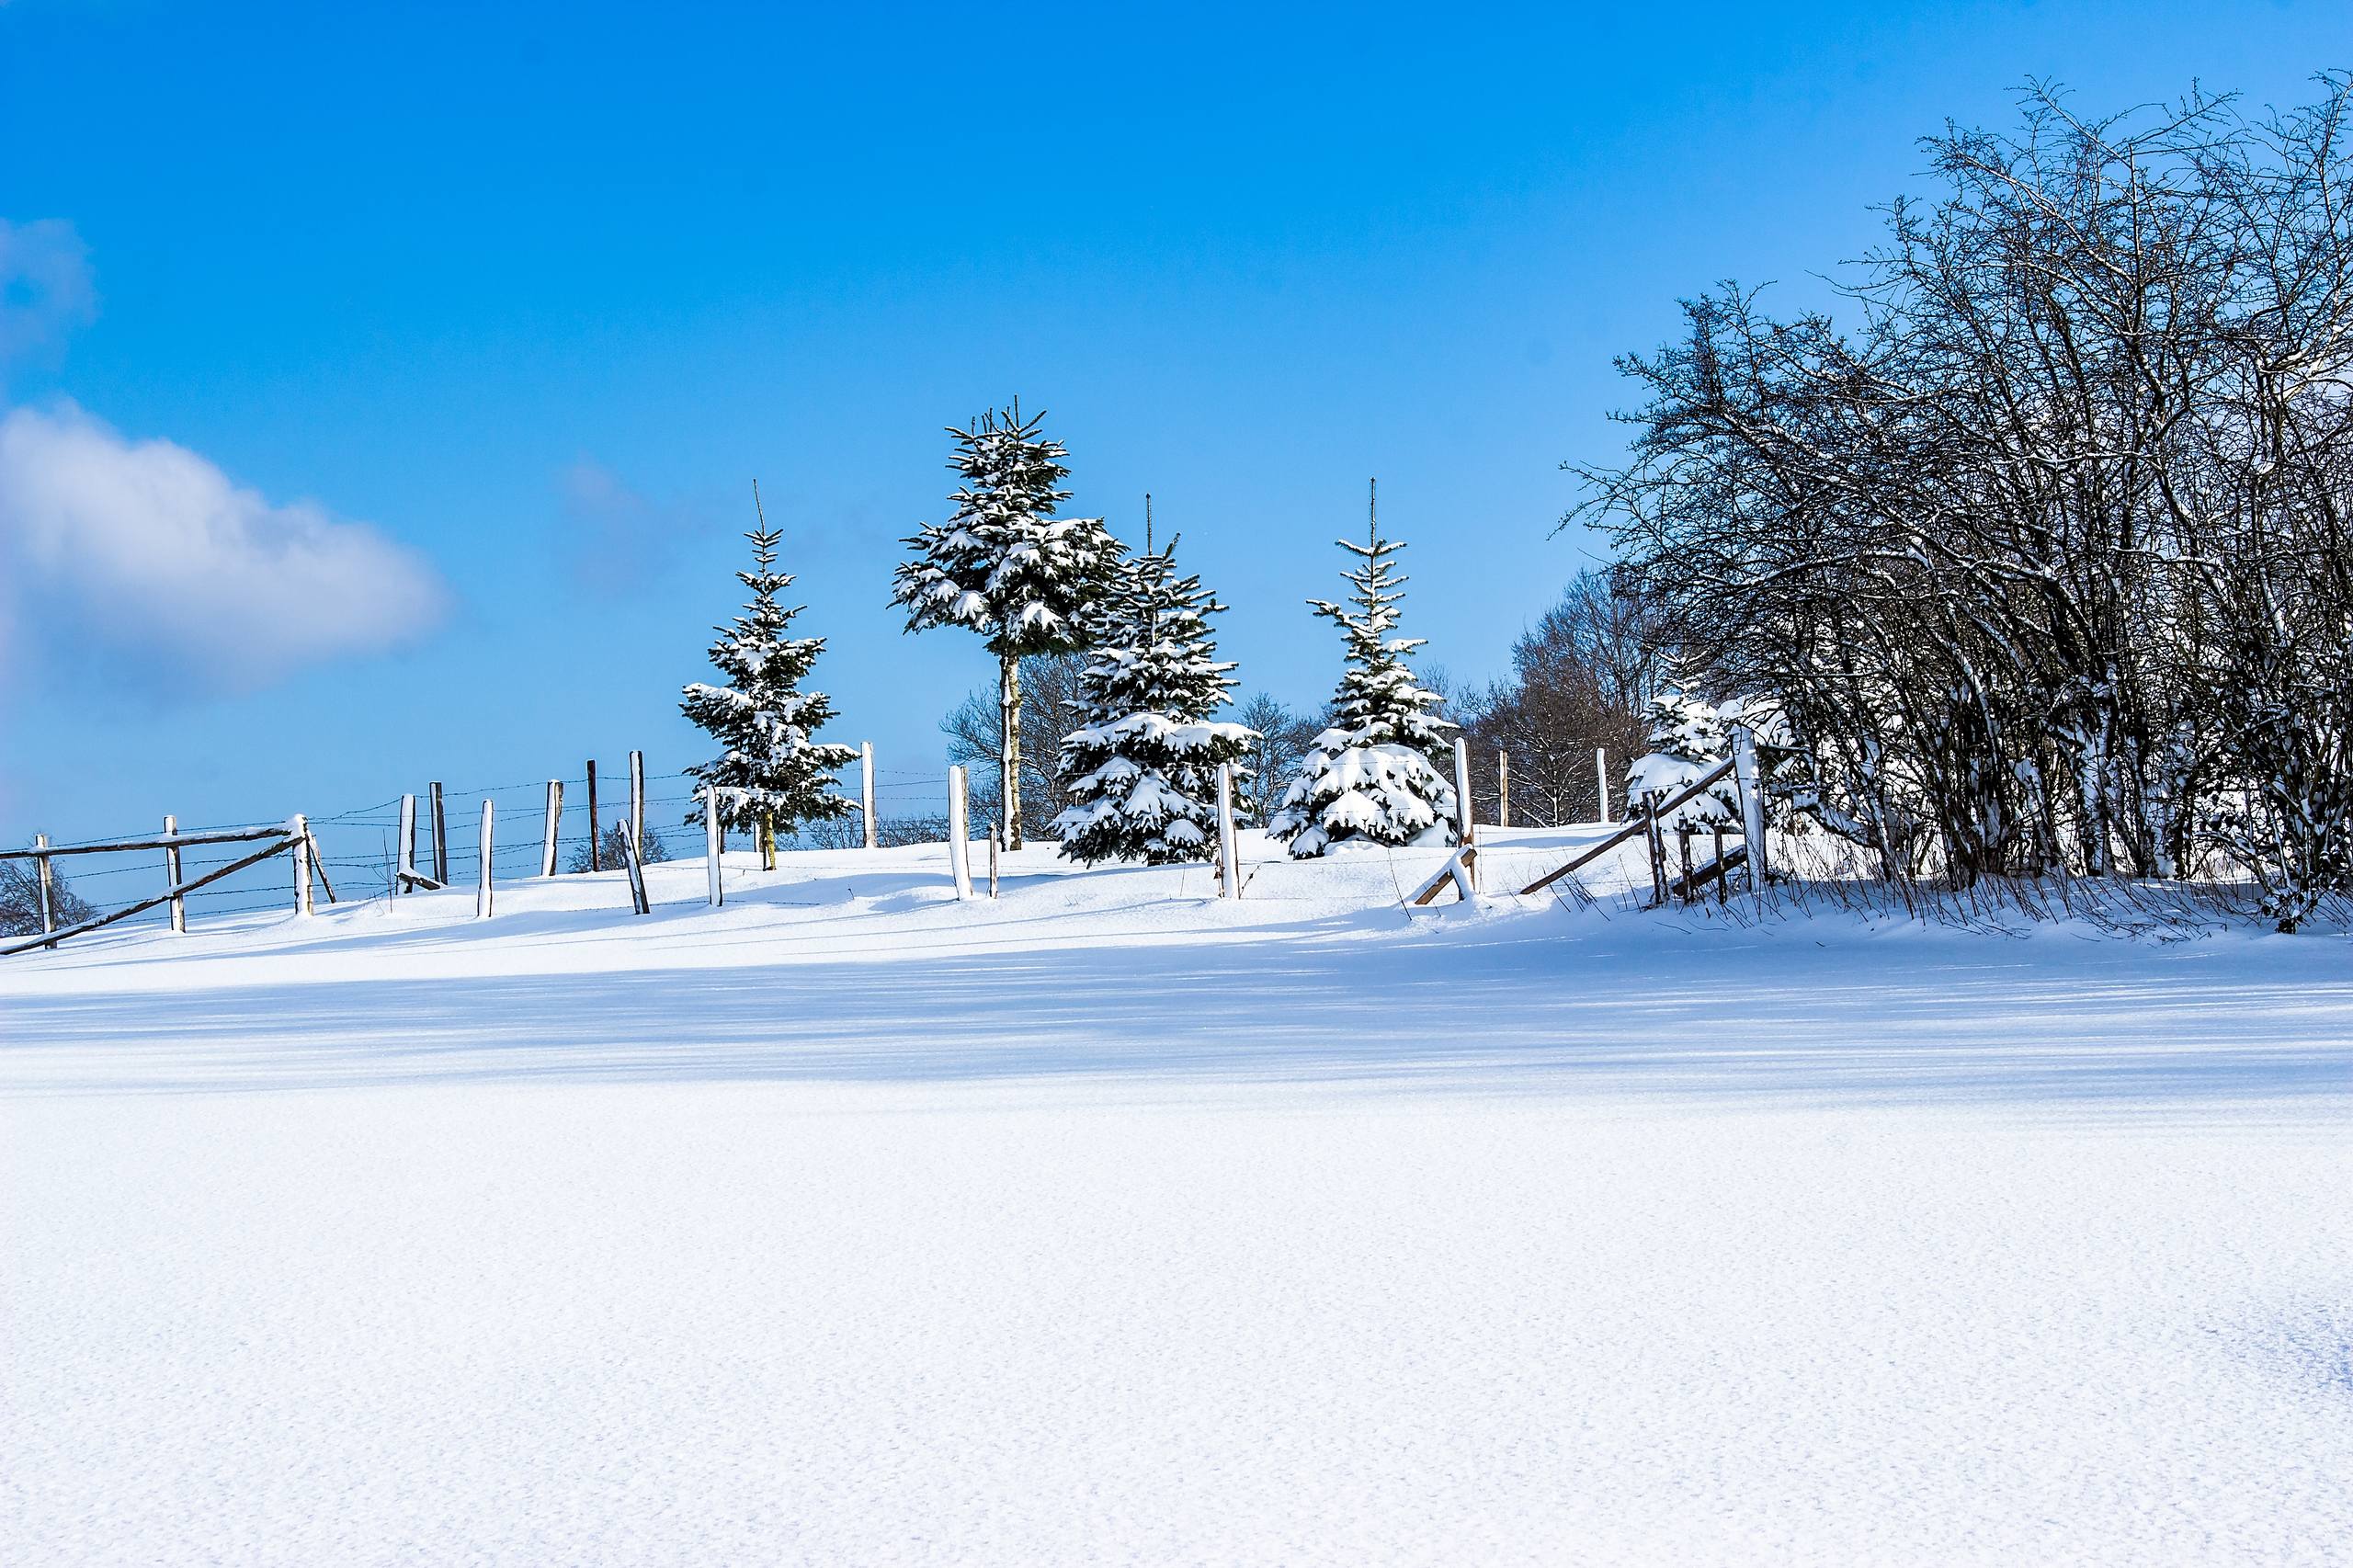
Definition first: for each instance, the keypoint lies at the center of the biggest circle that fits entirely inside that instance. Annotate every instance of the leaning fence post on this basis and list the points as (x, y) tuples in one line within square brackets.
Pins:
[(1601, 779), (1502, 788), (595, 827), (959, 851), (552, 834), (1752, 803), (866, 792), (482, 891), (440, 839), (302, 844), (404, 878), (1229, 855), (636, 868), (172, 876), (47, 909), (319, 868), (637, 801), (1655, 837), (711, 840)]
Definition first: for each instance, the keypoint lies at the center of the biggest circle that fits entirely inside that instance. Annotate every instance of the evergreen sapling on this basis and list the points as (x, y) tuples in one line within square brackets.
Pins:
[(774, 773), (1141, 772), (1375, 775)]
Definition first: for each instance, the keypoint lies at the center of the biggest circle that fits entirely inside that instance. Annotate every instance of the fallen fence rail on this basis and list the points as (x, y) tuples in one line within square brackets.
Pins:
[(1636, 826), (1717, 870)]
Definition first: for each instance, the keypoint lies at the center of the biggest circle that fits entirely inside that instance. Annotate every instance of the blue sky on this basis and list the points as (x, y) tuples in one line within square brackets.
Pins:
[(536, 295)]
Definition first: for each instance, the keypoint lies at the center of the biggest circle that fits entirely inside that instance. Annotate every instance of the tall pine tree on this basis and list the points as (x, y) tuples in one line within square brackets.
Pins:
[(1142, 773), (1373, 776), (1005, 566), (774, 773)]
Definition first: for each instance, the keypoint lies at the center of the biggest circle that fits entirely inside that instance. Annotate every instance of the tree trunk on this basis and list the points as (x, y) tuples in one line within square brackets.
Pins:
[(1008, 700)]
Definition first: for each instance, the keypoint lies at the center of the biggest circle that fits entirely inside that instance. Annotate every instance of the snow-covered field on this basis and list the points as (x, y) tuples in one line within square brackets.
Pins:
[(1110, 1222)]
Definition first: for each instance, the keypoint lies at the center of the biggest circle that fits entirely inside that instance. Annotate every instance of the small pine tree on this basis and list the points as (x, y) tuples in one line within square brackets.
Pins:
[(1373, 776), (1005, 566), (1688, 737), (1141, 772), (773, 775)]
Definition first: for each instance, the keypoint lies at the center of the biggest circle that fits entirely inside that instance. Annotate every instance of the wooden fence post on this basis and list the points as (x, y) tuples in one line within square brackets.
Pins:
[(596, 826), (482, 891), (1657, 839), (318, 867), (996, 838), (48, 906), (959, 850), (1229, 844), (866, 792), (172, 877), (1752, 803), (712, 840), (1466, 827), (302, 842), (553, 834), (1601, 779), (1502, 788), (636, 868), (637, 802), (403, 877), (440, 839)]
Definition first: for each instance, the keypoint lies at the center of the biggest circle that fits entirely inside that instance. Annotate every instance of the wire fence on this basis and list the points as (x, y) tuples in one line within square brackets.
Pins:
[(358, 856), (358, 851)]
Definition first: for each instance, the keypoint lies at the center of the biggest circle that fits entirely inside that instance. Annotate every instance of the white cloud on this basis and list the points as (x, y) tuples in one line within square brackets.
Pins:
[(147, 550), (45, 284), (616, 537)]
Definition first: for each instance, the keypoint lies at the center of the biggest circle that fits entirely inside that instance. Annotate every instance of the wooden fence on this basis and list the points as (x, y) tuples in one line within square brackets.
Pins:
[(292, 838), (421, 858)]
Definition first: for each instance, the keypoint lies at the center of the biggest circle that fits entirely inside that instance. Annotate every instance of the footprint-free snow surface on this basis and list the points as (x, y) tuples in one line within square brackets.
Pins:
[(1108, 1222)]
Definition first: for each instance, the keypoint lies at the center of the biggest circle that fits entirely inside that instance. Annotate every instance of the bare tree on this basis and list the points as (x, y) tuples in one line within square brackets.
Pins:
[(1580, 678), (1051, 707), (20, 899), (1284, 737), (2038, 556)]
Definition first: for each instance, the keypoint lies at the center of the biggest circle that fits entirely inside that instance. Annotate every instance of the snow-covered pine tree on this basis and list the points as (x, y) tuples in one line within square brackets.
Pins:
[(1005, 566), (1688, 737), (1141, 772), (1375, 775), (774, 773)]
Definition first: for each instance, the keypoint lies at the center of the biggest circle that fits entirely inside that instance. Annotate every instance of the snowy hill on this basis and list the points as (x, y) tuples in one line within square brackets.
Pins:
[(1111, 1221)]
